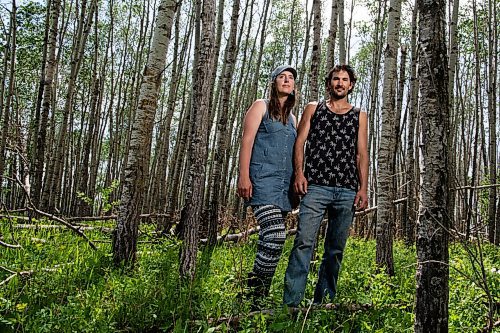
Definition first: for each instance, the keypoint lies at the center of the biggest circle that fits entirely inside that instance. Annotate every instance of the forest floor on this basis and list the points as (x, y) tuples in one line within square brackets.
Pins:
[(55, 282)]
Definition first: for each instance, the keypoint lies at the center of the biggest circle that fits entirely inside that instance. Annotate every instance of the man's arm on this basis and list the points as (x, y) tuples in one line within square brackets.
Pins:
[(361, 200), (300, 183)]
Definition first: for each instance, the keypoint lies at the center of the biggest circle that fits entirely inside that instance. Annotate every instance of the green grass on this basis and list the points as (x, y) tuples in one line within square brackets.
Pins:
[(86, 293)]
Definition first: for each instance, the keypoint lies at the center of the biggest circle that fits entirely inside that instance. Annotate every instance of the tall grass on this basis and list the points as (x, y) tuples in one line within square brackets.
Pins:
[(86, 293)]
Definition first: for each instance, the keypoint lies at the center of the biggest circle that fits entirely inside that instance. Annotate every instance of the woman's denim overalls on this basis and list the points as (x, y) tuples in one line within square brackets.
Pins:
[(271, 168)]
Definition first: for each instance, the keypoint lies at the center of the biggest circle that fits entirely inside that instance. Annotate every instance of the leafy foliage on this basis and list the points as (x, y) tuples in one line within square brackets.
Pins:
[(84, 292)]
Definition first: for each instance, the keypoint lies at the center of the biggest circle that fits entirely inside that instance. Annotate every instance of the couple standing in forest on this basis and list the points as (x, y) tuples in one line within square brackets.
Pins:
[(334, 179)]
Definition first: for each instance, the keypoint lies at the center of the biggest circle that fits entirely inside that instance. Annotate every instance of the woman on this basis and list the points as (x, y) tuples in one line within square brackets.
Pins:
[(266, 170)]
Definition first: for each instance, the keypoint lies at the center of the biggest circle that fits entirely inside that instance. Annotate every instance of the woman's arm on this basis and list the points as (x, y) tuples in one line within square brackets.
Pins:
[(251, 124)]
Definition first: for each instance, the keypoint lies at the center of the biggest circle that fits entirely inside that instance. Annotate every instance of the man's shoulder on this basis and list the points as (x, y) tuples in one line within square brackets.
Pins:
[(358, 109)]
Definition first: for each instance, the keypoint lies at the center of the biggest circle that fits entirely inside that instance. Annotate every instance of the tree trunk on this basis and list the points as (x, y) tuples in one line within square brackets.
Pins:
[(453, 55), (477, 110), (342, 46), (222, 140), (316, 50), (35, 124), (431, 309), (55, 174), (83, 208), (10, 91), (192, 210), (332, 36), (158, 188), (492, 120), (387, 153), (125, 237), (411, 177), (373, 110)]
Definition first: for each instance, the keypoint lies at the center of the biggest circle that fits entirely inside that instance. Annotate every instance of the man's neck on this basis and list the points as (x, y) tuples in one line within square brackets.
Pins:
[(339, 105)]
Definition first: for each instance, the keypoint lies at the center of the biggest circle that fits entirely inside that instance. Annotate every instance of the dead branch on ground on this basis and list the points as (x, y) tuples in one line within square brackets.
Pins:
[(33, 208)]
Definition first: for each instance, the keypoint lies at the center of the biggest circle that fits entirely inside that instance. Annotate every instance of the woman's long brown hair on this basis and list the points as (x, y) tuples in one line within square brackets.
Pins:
[(275, 110)]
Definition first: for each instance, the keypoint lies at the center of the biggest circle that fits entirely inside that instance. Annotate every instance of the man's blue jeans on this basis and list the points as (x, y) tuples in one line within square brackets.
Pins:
[(339, 202)]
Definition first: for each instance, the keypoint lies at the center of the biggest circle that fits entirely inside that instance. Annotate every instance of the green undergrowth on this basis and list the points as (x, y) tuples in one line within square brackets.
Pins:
[(69, 287)]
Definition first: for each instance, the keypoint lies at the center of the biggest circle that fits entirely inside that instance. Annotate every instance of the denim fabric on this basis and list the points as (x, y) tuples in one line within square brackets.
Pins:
[(339, 202), (271, 168)]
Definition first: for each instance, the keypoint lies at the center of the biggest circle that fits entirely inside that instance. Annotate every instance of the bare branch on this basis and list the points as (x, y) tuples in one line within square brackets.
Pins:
[(475, 187), (10, 277), (234, 320), (54, 226), (51, 216), (10, 246)]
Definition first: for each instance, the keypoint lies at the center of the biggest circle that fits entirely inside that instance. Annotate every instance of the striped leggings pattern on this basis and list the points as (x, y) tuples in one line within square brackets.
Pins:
[(271, 240)]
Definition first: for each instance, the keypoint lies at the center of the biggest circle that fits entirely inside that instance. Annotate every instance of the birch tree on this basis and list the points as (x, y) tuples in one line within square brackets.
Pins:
[(493, 224), (316, 50), (332, 36), (342, 39), (10, 90), (387, 153), (411, 176), (222, 139), (125, 236)]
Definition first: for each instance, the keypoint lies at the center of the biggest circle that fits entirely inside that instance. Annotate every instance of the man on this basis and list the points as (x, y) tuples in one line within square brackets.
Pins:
[(335, 180)]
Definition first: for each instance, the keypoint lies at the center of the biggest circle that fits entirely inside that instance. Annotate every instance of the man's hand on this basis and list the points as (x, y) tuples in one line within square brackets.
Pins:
[(300, 184), (245, 188), (361, 200)]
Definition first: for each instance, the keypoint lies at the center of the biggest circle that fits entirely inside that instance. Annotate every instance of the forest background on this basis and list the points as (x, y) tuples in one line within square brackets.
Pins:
[(115, 112)]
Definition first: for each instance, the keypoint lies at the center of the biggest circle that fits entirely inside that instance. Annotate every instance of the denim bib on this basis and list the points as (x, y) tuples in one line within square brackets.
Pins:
[(271, 167)]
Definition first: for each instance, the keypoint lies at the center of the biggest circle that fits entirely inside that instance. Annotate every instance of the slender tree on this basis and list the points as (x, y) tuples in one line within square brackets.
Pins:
[(332, 36), (222, 139), (387, 154), (125, 237), (411, 203), (316, 50), (52, 193), (493, 224), (191, 213), (431, 309), (342, 39), (453, 56), (10, 90)]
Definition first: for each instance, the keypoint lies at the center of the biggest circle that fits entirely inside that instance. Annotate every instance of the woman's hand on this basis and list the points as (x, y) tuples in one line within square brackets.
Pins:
[(244, 187)]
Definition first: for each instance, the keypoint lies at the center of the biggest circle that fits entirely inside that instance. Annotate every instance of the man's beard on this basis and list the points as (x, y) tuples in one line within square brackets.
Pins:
[(333, 94)]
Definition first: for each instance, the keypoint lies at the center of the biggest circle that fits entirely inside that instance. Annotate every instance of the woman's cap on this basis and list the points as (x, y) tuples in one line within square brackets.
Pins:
[(280, 69)]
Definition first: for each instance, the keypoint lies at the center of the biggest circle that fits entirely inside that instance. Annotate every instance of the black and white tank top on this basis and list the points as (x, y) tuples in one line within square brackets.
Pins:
[(331, 148)]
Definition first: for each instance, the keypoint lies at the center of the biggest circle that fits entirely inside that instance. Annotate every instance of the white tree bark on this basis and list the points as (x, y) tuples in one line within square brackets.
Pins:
[(387, 153), (125, 237), (316, 50)]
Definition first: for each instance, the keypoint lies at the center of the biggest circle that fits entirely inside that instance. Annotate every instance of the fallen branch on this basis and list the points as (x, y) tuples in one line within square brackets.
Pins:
[(468, 187), (239, 236), (20, 210), (10, 277), (30, 272), (54, 226), (63, 222), (235, 320), (51, 216), (489, 328), (23, 218), (113, 217), (10, 246)]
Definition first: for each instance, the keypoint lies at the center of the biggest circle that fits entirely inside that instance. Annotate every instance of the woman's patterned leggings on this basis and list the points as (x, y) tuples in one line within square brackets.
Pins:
[(271, 240)]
